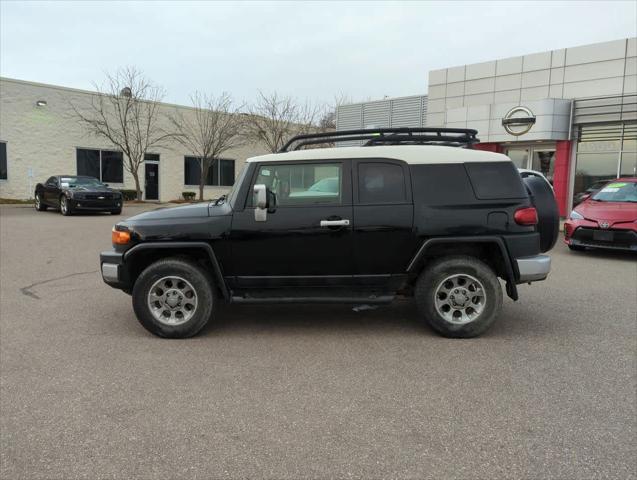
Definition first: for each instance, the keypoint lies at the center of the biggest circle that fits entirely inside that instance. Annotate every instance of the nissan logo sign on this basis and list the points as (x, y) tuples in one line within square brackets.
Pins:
[(518, 121)]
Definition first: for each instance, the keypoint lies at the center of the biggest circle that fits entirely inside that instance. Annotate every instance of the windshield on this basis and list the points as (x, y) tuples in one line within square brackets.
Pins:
[(80, 182), (617, 192), (232, 194)]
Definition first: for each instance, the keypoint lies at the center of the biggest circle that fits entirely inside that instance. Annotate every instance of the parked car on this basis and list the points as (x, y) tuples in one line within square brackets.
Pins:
[(71, 193), (594, 188), (608, 219), (411, 213)]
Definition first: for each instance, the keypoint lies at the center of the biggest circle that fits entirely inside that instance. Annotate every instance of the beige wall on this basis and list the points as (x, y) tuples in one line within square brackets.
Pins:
[(43, 141)]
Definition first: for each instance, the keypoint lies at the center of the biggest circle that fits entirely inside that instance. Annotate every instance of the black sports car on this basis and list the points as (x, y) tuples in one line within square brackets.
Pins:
[(71, 193)]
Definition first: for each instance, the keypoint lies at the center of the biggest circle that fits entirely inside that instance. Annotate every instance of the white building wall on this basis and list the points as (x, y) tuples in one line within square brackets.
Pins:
[(42, 141), (602, 69)]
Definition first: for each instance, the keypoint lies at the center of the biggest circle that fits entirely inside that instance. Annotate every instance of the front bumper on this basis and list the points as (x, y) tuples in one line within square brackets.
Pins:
[(534, 268), (584, 233), (113, 271), (96, 205)]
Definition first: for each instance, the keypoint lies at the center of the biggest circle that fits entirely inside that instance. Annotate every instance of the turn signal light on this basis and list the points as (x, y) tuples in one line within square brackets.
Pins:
[(120, 238), (526, 216)]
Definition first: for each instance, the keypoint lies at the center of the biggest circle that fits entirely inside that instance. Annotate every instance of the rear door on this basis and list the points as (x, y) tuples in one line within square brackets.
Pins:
[(384, 240), (307, 240)]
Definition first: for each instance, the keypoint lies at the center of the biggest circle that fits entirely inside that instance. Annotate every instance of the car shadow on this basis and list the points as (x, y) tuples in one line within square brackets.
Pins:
[(400, 316)]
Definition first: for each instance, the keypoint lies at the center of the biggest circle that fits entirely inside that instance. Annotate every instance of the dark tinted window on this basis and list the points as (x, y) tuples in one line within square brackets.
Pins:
[(495, 180), (151, 157), (381, 183), (192, 172), (88, 162), (112, 167), (226, 173), (3, 161), (51, 181)]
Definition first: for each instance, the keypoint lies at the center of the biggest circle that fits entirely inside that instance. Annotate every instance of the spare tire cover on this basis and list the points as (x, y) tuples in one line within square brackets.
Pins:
[(543, 199)]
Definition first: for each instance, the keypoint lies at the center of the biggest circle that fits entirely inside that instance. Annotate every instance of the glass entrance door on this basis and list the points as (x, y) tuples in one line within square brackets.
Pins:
[(519, 156), (544, 162)]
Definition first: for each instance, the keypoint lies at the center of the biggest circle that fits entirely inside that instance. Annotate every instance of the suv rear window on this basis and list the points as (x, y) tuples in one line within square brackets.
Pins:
[(495, 180)]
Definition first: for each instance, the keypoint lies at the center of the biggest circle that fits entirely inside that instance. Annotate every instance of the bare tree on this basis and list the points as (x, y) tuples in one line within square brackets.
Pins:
[(125, 111), (327, 122), (214, 127), (274, 119)]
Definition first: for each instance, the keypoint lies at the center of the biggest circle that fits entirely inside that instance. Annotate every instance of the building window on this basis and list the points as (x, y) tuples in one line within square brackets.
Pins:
[(220, 173), (105, 165), (3, 161), (151, 157)]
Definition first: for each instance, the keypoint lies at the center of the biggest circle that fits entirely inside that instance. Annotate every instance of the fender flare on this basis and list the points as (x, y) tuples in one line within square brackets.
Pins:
[(217, 274), (509, 266)]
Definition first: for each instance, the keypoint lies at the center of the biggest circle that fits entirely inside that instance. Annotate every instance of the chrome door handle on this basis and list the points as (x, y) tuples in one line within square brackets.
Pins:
[(334, 223)]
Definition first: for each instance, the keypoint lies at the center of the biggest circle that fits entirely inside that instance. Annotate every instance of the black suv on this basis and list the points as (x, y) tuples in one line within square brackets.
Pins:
[(411, 212)]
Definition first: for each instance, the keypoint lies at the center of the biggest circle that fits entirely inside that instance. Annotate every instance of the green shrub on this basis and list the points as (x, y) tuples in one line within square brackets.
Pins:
[(190, 196), (128, 195)]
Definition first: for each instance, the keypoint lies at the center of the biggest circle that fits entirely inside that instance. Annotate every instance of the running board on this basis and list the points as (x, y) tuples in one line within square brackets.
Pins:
[(383, 299)]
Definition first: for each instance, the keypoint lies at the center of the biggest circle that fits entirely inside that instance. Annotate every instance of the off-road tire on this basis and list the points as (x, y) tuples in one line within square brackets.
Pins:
[(196, 276), (437, 271)]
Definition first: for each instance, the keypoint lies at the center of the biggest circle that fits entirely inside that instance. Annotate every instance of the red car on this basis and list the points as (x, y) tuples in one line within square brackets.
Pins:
[(607, 219)]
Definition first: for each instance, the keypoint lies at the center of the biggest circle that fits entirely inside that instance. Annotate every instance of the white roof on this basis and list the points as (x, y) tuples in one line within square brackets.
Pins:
[(412, 154)]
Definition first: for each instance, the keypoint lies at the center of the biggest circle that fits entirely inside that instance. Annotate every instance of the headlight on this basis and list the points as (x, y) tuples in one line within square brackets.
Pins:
[(576, 216)]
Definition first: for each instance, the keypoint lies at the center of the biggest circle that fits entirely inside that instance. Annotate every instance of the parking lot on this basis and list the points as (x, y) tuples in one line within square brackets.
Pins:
[(307, 391)]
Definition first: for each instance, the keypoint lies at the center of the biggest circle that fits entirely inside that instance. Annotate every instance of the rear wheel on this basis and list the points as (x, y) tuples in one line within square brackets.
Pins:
[(65, 206), (173, 298), (39, 206), (459, 296)]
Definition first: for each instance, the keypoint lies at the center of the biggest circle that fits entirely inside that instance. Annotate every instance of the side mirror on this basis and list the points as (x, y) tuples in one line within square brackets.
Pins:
[(261, 212)]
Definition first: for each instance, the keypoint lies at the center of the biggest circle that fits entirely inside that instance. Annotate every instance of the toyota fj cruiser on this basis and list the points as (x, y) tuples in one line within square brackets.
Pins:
[(411, 212)]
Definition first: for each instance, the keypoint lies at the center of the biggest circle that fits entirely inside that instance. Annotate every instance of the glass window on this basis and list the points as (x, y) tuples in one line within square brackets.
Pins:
[(151, 157), (192, 172), (593, 168), (51, 181), (3, 161), (88, 162), (629, 164), (519, 157), (303, 184), (226, 172), (544, 162), (381, 183), (112, 167)]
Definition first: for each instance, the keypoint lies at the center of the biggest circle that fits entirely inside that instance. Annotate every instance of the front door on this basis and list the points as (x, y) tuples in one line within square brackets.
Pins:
[(152, 181), (295, 246)]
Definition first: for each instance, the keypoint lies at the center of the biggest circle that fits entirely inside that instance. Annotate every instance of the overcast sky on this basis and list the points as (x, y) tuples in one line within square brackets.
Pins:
[(312, 50)]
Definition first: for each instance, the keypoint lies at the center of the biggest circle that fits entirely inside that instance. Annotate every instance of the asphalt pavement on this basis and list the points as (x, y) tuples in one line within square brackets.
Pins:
[(291, 392)]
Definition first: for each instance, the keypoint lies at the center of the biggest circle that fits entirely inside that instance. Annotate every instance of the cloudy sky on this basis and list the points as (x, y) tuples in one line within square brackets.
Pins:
[(314, 50)]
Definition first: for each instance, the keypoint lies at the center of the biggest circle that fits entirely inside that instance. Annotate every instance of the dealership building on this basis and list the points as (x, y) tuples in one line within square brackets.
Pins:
[(40, 136), (570, 113)]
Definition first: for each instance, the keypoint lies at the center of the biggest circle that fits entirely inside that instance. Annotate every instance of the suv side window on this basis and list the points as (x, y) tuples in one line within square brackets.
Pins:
[(303, 183), (381, 183)]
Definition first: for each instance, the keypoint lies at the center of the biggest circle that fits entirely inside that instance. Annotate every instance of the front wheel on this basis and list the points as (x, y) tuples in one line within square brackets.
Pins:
[(65, 206), (173, 298), (459, 296), (116, 212), (39, 206), (576, 248)]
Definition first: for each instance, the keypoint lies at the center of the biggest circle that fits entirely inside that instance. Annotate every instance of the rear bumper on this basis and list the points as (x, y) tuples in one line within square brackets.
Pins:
[(534, 269)]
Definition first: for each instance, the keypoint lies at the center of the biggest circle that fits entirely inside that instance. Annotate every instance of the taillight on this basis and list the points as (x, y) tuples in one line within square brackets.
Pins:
[(526, 216), (119, 237)]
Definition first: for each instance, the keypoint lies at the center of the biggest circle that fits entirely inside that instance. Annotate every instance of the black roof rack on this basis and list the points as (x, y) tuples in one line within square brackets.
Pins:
[(456, 137)]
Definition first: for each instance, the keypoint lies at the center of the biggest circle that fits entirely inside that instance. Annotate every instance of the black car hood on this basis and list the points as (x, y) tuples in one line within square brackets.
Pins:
[(183, 211)]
